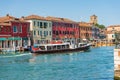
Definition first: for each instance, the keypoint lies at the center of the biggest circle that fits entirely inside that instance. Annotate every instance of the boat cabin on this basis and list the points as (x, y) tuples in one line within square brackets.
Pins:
[(48, 47), (82, 44)]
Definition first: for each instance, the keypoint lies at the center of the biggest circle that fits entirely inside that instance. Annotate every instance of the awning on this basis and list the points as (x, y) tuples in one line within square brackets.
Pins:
[(25, 38), (3, 39), (14, 38)]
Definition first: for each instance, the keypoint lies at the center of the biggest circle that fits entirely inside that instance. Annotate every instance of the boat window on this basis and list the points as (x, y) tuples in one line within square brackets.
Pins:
[(42, 47), (67, 46), (58, 47), (54, 47), (49, 47), (63, 46)]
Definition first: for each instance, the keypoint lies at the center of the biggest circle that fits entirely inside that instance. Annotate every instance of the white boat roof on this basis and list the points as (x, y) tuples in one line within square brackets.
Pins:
[(51, 44)]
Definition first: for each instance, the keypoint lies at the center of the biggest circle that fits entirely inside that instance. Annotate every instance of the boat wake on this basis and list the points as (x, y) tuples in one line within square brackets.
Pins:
[(15, 55)]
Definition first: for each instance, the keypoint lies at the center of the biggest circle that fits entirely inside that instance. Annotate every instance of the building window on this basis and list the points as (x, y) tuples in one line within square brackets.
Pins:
[(37, 23), (41, 25), (53, 32), (44, 33), (15, 29), (59, 32), (47, 33), (41, 33), (50, 33), (112, 36), (34, 32), (34, 23), (50, 25), (45, 25), (20, 29), (38, 33)]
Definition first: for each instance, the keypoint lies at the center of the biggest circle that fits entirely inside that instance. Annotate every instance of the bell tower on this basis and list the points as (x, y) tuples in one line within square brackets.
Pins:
[(93, 19)]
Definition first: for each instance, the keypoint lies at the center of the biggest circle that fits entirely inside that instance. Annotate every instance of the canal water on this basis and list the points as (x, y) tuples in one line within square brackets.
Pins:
[(96, 64)]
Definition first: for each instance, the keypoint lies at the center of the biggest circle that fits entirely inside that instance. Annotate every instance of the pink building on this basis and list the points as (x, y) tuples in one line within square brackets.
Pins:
[(63, 28)]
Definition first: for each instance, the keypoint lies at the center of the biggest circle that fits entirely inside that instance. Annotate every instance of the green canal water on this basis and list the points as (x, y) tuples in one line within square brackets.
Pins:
[(96, 64)]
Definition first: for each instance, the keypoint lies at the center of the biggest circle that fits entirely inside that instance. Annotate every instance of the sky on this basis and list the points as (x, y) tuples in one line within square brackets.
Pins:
[(108, 11)]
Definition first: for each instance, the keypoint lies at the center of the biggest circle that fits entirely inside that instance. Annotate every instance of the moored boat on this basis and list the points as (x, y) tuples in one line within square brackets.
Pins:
[(59, 47)]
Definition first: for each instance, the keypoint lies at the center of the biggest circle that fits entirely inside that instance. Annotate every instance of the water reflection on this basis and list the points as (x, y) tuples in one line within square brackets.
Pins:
[(48, 58)]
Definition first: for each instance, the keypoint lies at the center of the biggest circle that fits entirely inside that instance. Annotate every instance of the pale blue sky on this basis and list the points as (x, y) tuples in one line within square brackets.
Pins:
[(108, 11)]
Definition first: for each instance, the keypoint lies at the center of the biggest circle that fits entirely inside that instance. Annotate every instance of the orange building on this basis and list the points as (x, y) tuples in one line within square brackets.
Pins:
[(85, 30)]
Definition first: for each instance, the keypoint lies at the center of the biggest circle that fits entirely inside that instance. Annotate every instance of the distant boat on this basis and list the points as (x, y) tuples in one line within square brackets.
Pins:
[(58, 47)]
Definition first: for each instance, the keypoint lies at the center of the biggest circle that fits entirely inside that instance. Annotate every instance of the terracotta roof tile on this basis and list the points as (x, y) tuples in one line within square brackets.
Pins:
[(60, 19), (34, 17), (7, 18), (109, 32), (111, 26), (85, 24)]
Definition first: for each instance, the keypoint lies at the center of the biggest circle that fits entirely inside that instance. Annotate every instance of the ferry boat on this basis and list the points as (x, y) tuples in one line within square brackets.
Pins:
[(59, 47)]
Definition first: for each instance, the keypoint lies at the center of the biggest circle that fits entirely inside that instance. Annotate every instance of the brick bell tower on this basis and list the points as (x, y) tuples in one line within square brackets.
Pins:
[(93, 19)]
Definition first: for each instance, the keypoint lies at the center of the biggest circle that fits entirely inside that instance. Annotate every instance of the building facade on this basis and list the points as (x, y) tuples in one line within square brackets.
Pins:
[(13, 32), (85, 30), (64, 29), (111, 30), (41, 29), (95, 33)]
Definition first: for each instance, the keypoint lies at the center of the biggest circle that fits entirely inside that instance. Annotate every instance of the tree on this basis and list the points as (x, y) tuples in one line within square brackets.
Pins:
[(101, 26)]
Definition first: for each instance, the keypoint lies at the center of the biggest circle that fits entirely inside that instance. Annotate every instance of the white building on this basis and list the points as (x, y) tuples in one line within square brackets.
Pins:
[(41, 29)]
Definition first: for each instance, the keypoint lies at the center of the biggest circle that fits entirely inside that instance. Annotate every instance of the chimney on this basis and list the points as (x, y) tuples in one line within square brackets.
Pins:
[(22, 18), (7, 15)]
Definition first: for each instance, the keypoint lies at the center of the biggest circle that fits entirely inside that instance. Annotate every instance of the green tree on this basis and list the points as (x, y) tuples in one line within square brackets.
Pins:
[(101, 26)]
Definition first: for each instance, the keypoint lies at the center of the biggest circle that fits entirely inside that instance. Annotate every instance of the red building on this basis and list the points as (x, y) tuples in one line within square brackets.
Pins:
[(63, 28), (13, 30)]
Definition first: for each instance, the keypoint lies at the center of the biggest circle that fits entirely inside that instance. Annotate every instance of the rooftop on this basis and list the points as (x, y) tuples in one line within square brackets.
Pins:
[(31, 17), (60, 19), (85, 24), (8, 18), (111, 26)]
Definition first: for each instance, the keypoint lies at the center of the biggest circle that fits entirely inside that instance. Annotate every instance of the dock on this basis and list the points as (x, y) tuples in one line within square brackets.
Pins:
[(117, 62), (100, 44)]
